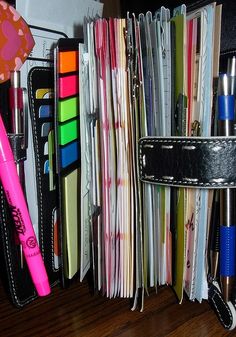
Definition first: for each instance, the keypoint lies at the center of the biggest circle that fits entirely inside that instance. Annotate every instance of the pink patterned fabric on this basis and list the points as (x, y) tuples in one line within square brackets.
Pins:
[(16, 41)]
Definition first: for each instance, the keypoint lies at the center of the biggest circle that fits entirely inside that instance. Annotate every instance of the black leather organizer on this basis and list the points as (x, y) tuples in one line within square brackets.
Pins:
[(193, 162), (12, 260), (197, 162)]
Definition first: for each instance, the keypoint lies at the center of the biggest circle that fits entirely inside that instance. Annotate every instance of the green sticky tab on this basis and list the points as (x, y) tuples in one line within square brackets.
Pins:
[(68, 132), (67, 109)]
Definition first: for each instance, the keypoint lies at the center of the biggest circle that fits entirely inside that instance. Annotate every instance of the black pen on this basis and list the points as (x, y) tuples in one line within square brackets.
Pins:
[(227, 223)]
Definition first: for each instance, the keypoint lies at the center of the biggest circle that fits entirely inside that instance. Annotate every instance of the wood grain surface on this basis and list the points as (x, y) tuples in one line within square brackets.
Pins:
[(76, 312)]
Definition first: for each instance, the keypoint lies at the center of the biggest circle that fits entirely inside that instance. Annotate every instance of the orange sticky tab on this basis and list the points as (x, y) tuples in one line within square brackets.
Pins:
[(68, 61)]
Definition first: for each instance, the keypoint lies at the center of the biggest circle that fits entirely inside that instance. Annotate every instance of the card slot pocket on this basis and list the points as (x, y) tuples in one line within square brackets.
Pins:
[(45, 128), (44, 93), (45, 111), (42, 130)]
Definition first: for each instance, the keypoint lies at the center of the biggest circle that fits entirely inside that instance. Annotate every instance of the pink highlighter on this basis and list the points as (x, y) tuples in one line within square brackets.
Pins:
[(20, 214)]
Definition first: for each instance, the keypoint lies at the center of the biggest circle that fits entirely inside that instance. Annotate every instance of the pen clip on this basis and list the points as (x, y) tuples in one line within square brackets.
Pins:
[(179, 115), (195, 128), (93, 117), (25, 118)]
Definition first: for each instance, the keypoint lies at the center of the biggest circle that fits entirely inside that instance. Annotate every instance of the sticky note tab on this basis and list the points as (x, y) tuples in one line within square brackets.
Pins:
[(70, 200), (68, 109), (69, 154), (68, 86), (68, 61), (68, 132)]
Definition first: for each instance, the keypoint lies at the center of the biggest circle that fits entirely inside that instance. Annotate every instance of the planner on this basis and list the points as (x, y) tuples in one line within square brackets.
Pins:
[(129, 167)]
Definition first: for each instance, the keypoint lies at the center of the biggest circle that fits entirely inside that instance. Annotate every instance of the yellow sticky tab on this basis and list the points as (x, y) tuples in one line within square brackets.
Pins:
[(70, 202)]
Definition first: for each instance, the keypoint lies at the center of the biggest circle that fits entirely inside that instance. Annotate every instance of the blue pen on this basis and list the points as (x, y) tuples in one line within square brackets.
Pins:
[(227, 222)]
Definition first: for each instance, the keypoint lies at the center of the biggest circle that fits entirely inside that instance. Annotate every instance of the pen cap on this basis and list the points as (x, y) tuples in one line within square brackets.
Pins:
[(43, 288), (5, 147)]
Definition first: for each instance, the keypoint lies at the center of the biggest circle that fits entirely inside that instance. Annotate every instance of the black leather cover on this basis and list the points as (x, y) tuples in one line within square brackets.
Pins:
[(224, 311), (17, 279), (43, 77), (188, 162)]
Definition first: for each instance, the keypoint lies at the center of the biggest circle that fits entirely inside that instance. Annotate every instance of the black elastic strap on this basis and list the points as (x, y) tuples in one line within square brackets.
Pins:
[(188, 161)]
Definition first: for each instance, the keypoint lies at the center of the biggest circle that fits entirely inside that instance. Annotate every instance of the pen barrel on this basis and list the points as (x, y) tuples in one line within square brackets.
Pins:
[(226, 115), (226, 128), (17, 118), (227, 243), (24, 227), (231, 72), (227, 260), (227, 207), (214, 236), (16, 106), (227, 250), (226, 107), (226, 103)]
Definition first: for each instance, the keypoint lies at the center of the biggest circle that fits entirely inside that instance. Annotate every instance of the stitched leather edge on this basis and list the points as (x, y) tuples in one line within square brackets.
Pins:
[(145, 141), (213, 292)]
